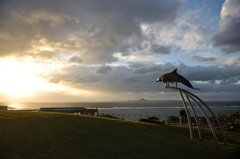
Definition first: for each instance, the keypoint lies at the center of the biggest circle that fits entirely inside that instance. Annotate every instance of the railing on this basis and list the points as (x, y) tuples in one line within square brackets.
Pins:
[(182, 120), (136, 117)]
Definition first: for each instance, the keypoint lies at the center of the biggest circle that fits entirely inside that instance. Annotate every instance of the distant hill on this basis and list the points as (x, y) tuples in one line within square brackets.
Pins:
[(142, 100)]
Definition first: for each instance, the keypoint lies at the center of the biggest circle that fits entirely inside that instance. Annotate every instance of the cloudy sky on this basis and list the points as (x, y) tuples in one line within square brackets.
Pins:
[(104, 50)]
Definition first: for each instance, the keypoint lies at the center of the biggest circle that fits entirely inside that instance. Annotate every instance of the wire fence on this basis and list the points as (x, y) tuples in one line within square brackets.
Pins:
[(164, 118), (136, 117)]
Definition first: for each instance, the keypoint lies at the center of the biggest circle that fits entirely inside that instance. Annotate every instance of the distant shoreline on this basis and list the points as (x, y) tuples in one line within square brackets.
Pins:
[(120, 101), (145, 101)]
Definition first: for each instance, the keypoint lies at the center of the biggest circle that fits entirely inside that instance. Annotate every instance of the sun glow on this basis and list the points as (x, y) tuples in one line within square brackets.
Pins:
[(17, 79)]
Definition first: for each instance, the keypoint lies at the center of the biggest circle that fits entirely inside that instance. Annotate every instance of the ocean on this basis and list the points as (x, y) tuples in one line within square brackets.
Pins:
[(137, 110)]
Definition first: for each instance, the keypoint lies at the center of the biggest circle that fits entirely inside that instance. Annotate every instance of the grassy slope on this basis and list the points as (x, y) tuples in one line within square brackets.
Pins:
[(53, 135)]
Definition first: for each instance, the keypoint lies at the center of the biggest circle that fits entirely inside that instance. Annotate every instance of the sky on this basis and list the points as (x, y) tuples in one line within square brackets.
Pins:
[(104, 50)]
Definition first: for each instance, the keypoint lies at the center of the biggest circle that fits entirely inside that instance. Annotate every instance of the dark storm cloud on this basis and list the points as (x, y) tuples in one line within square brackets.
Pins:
[(228, 36), (93, 29), (122, 79), (210, 73), (136, 64), (102, 69), (229, 80), (154, 68), (230, 50), (160, 49), (203, 58), (75, 59)]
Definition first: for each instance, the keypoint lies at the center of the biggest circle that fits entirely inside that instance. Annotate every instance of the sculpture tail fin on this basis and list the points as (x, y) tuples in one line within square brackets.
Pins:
[(196, 88), (174, 71)]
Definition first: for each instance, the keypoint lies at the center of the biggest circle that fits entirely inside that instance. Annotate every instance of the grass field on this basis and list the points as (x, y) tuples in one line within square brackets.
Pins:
[(53, 135)]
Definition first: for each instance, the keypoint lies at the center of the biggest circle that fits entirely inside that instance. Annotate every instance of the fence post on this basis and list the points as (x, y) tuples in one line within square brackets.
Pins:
[(180, 121)]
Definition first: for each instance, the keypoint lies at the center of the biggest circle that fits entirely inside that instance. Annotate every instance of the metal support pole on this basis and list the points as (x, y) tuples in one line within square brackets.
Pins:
[(180, 121), (167, 84), (196, 119), (188, 117), (204, 113), (224, 137), (208, 120)]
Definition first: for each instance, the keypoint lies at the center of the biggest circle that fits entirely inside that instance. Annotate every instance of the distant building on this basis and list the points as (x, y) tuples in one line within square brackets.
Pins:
[(76, 110), (3, 107)]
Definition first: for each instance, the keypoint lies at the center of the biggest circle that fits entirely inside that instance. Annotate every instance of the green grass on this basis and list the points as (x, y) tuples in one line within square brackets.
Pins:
[(54, 135)]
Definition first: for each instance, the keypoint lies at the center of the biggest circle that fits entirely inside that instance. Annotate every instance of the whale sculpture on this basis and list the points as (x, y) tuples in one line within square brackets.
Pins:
[(174, 77)]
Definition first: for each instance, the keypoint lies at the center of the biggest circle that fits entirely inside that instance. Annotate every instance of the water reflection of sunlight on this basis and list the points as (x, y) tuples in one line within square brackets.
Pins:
[(16, 106)]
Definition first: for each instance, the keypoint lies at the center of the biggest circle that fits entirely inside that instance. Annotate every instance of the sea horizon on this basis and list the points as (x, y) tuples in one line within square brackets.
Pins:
[(114, 101)]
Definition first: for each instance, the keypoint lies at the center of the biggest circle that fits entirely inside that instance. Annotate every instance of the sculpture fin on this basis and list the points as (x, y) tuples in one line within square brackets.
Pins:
[(174, 71), (196, 88)]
